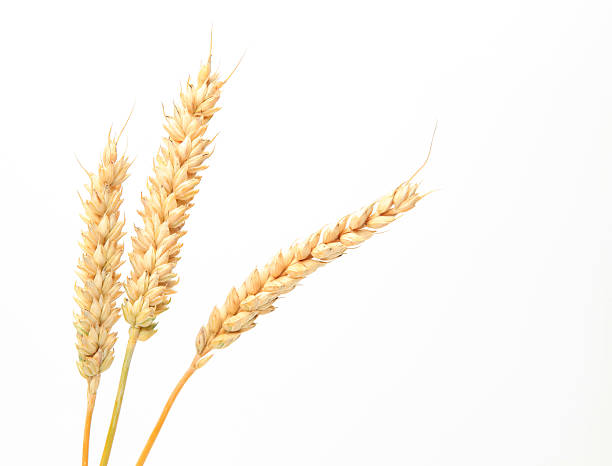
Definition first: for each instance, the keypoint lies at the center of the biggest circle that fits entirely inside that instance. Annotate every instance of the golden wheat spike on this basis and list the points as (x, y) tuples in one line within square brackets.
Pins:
[(171, 190), (258, 293), (97, 270)]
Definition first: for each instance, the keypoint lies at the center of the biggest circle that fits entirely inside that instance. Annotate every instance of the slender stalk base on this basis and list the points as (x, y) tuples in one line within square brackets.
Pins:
[(91, 402), (112, 428), (160, 422)]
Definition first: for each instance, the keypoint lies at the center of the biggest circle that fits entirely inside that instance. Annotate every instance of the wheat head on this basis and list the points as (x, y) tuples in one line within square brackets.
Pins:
[(263, 286), (98, 265), (171, 190)]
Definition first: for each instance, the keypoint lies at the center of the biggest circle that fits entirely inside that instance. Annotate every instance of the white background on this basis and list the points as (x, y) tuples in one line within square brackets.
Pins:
[(474, 332)]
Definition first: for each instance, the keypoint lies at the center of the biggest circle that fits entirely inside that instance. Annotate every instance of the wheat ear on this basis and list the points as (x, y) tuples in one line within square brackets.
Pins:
[(97, 270), (171, 191), (156, 245), (258, 293)]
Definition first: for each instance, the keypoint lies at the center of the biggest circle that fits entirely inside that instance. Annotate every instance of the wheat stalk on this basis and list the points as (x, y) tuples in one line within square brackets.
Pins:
[(97, 270), (171, 191), (259, 292)]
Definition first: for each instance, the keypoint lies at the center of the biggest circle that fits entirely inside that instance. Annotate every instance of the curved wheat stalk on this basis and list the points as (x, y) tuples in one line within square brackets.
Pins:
[(97, 270), (171, 191), (259, 292)]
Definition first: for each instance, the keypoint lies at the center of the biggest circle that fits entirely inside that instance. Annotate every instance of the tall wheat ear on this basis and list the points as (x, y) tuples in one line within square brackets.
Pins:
[(97, 270), (259, 292), (171, 191)]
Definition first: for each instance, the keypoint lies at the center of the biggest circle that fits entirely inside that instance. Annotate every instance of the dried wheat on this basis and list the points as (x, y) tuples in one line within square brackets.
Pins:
[(172, 189), (258, 293), (156, 246), (97, 267)]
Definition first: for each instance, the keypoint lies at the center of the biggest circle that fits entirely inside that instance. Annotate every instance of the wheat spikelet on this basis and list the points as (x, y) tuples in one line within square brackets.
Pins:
[(258, 293), (97, 267), (171, 190)]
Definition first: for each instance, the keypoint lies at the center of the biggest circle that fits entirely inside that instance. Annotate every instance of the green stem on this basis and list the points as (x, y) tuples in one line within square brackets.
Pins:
[(129, 351)]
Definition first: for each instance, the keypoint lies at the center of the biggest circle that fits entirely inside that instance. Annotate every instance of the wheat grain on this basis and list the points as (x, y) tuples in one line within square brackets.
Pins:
[(171, 190), (98, 265)]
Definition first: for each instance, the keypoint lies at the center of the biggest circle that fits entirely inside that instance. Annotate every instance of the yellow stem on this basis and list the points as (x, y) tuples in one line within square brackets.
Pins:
[(160, 422), (112, 428), (91, 402)]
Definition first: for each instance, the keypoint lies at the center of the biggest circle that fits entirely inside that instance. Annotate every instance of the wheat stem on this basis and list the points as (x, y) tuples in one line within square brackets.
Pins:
[(91, 402), (257, 295), (112, 428), (162, 418), (171, 191)]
